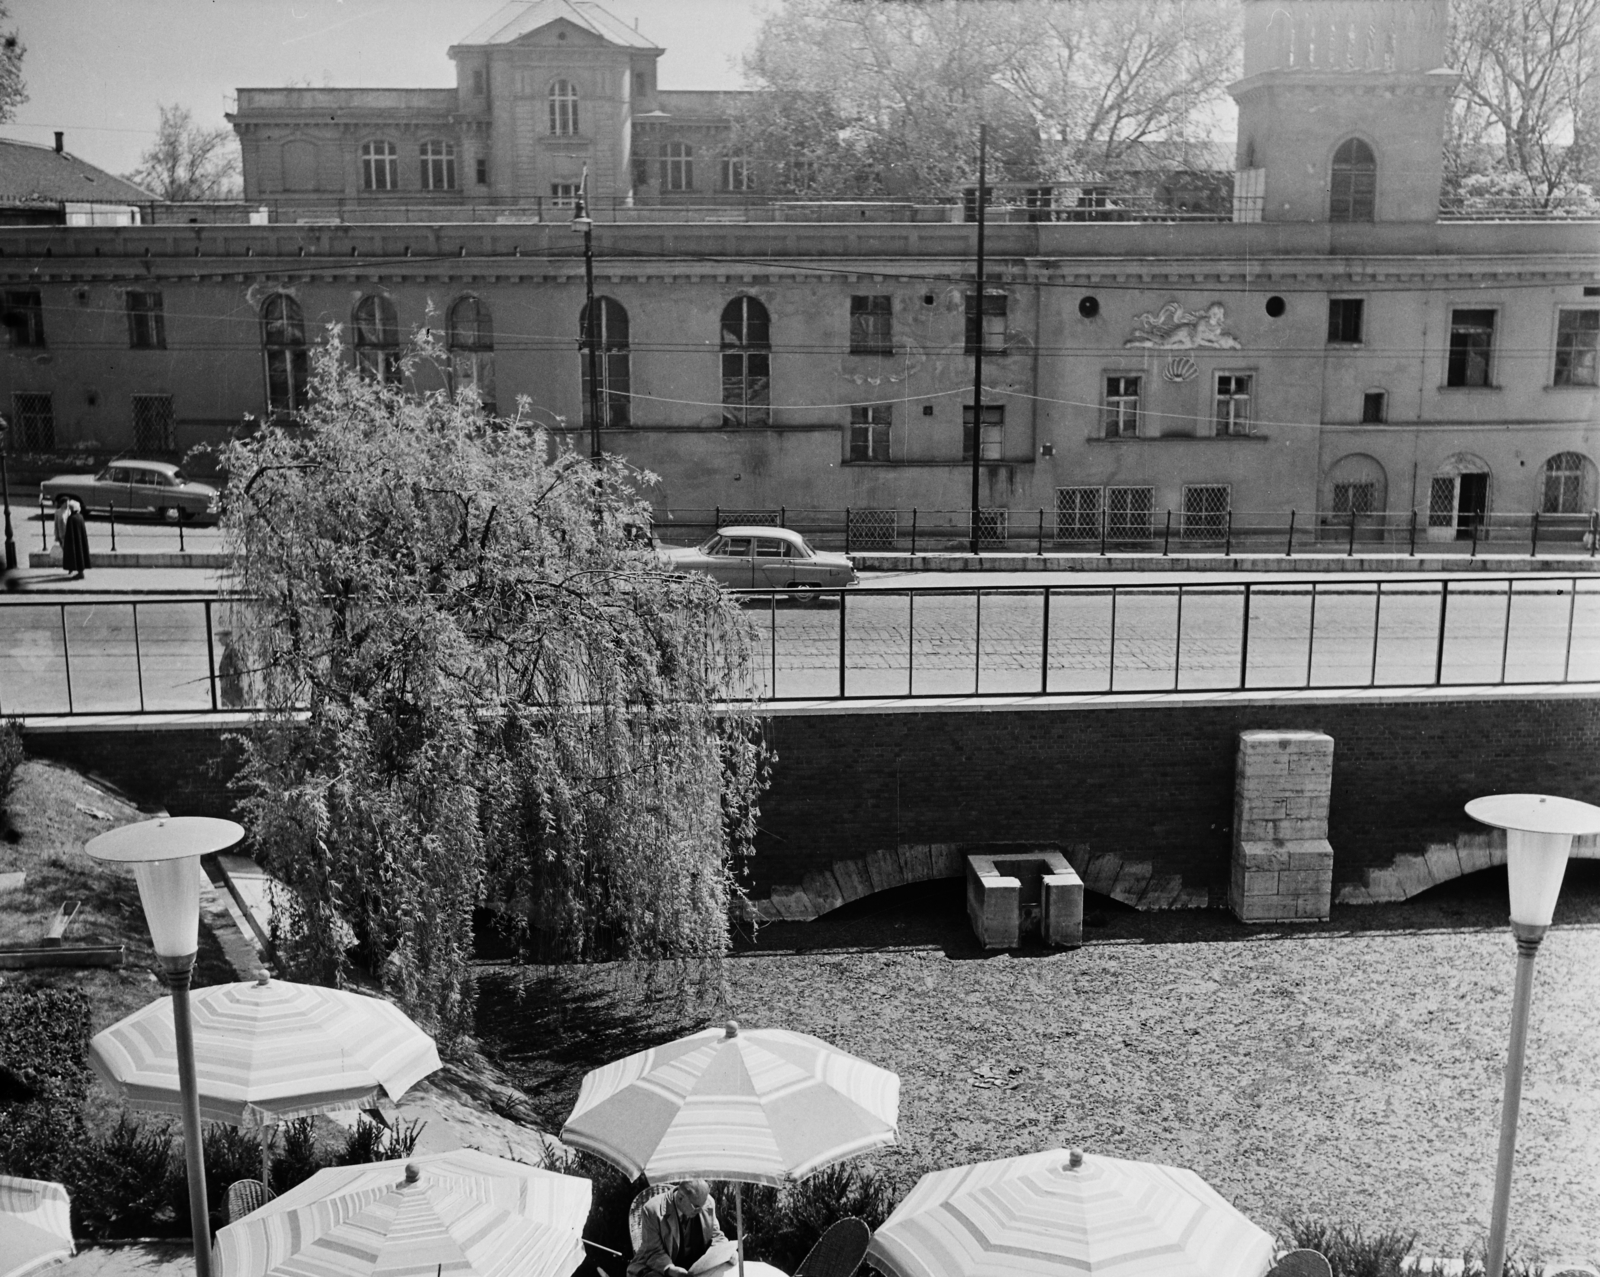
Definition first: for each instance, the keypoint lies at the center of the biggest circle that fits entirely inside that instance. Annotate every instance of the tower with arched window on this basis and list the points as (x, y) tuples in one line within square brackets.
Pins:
[(1342, 109)]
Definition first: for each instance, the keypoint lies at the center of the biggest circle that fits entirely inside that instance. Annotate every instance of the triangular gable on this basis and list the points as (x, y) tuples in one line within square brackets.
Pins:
[(524, 18)]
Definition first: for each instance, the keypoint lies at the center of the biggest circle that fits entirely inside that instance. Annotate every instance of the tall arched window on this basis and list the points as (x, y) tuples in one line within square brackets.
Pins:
[(470, 340), (380, 166), (746, 363), (563, 109), (438, 166), (609, 335), (677, 166), (1354, 186), (283, 341), (1564, 484), (377, 339)]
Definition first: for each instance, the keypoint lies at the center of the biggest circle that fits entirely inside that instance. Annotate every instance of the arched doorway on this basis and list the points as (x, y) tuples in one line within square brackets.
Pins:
[(1458, 499)]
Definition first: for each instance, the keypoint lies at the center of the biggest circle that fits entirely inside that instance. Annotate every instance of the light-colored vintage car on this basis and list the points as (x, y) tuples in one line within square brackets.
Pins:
[(127, 485), (763, 558)]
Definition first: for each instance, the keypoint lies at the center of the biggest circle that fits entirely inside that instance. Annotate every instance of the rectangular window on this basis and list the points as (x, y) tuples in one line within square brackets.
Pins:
[(1130, 513), (1121, 411), (1471, 348), (1040, 203), (153, 424), (24, 317), (1354, 498), (147, 326), (481, 170), (1374, 407), (735, 173), (677, 166), (994, 429), (1233, 402), (869, 432), (33, 421), (1205, 511), (993, 328), (480, 83), (872, 325), (1577, 348), (1344, 319), (1077, 514), (564, 194)]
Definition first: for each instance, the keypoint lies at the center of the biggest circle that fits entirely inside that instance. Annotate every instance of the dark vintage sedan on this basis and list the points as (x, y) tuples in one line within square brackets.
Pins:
[(154, 486), (762, 557)]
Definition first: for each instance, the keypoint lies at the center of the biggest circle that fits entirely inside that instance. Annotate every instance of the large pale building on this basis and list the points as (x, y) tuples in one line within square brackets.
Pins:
[(1336, 347)]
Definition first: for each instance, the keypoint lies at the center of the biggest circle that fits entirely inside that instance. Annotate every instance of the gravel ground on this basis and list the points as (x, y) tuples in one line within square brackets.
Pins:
[(1350, 1070)]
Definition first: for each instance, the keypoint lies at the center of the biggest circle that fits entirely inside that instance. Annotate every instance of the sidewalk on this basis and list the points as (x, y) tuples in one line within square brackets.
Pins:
[(115, 581)]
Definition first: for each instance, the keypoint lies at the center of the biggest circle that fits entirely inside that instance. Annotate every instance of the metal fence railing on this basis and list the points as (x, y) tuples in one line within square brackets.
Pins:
[(1125, 520), (110, 529), (131, 656)]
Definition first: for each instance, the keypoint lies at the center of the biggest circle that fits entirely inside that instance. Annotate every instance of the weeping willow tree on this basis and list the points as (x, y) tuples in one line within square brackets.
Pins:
[(480, 688)]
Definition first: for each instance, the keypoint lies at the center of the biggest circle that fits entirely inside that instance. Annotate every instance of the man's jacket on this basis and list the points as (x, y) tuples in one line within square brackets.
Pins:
[(659, 1233)]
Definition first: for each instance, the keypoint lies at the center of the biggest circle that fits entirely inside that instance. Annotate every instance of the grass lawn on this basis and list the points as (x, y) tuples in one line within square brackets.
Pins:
[(56, 811), (1351, 1069)]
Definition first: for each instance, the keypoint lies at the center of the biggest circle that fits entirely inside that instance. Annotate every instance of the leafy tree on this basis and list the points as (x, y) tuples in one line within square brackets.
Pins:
[(187, 162), (13, 92), (1524, 127), (507, 698), (885, 99)]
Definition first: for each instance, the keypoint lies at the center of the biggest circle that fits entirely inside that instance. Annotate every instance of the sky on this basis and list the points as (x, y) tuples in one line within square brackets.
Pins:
[(96, 69)]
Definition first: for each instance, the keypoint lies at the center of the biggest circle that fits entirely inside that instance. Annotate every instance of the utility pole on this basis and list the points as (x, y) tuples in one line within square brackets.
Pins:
[(977, 345), (5, 495), (581, 221)]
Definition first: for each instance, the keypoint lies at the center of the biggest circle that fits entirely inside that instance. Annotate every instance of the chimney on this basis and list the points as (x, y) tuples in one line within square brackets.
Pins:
[(61, 141)]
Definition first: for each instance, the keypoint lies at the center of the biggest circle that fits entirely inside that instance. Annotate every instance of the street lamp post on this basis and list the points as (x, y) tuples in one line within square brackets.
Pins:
[(5, 495), (583, 223), (165, 855), (1539, 832)]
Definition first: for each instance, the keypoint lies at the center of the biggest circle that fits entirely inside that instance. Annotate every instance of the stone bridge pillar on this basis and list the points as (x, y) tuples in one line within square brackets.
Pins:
[(1282, 862)]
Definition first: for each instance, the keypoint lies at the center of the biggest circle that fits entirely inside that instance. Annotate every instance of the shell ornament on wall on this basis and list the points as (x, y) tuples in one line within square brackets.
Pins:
[(1180, 369)]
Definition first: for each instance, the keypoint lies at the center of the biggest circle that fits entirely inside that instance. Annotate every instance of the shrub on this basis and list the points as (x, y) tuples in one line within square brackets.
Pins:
[(1351, 1253), (298, 1159), (44, 1043), (780, 1226), (123, 1183), (10, 759), (371, 1141)]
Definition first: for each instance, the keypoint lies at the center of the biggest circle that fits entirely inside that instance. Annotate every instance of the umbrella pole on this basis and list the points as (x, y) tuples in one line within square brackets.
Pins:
[(738, 1222)]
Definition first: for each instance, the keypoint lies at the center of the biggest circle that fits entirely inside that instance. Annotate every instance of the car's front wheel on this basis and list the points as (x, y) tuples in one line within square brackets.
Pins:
[(168, 513)]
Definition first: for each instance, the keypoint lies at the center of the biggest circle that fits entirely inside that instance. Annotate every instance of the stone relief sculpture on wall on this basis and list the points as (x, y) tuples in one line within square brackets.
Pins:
[(1174, 328)]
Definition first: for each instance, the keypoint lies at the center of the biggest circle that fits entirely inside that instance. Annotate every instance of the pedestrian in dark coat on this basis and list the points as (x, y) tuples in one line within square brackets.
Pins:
[(75, 542)]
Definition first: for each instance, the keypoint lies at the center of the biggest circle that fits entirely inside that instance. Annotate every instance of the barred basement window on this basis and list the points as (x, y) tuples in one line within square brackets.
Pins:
[(1205, 511), (1355, 498), (1130, 513), (1121, 412), (993, 526), (872, 325), (874, 529), (1077, 514), (33, 420), (147, 329), (1233, 403), (869, 432), (994, 431), (153, 426), (24, 317)]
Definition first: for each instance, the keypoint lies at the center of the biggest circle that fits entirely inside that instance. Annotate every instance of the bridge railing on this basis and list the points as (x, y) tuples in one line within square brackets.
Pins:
[(161, 654)]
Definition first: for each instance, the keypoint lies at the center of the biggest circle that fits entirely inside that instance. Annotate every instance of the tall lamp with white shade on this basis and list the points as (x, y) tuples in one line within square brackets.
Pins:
[(1539, 832), (165, 855)]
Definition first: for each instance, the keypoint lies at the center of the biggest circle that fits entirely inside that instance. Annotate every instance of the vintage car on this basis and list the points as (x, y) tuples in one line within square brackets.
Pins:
[(128, 485), (762, 557)]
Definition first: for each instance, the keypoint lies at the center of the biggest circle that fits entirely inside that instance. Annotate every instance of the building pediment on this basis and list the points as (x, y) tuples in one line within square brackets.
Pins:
[(546, 23)]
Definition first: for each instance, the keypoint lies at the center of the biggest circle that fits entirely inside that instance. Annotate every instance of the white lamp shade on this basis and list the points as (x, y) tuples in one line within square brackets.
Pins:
[(170, 893), (1535, 865)]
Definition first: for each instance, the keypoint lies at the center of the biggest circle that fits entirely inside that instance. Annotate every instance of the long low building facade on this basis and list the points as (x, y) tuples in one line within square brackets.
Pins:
[(1446, 366)]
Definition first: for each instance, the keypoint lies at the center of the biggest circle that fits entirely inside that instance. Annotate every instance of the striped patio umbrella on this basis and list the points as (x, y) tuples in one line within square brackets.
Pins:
[(265, 1051), (463, 1213), (35, 1225), (761, 1106), (1056, 1213)]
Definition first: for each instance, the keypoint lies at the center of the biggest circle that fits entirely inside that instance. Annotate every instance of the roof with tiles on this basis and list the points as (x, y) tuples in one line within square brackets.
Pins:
[(33, 175), (520, 17)]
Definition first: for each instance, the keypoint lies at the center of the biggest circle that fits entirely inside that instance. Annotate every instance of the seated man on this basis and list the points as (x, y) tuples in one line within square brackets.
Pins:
[(675, 1230)]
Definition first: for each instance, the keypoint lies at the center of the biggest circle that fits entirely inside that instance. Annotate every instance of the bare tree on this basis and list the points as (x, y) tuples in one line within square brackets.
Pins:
[(1524, 123), (885, 98), (13, 92), (188, 162)]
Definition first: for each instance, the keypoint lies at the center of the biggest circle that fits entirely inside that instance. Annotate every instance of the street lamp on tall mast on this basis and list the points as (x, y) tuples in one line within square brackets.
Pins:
[(583, 224), (5, 495)]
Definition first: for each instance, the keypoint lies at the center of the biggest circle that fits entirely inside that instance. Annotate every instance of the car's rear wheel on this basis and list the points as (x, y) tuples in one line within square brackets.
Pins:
[(168, 513)]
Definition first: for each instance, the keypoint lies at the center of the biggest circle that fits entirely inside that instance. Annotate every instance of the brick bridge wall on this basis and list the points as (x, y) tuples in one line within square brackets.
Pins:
[(1139, 797)]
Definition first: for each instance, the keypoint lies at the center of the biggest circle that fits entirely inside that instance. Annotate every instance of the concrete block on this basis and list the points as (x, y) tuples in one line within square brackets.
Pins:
[(1061, 919), (1313, 907), (1264, 855), (915, 861), (1311, 854), (1443, 862), (823, 889), (852, 878), (792, 904), (993, 905), (883, 867), (1306, 882), (1261, 882)]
